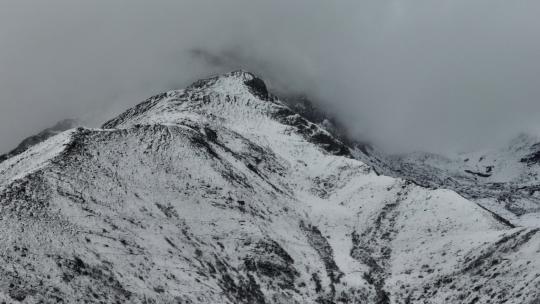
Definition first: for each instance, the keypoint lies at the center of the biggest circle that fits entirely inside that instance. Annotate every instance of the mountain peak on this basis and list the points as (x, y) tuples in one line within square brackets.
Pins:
[(238, 91), (246, 75), (237, 100), (212, 194), (237, 78)]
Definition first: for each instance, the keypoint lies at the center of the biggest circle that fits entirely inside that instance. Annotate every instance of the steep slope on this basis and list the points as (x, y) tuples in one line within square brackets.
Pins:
[(220, 193)]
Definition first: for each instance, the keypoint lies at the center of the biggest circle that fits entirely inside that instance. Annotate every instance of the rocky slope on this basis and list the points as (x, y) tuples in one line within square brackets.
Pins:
[(220, 193)]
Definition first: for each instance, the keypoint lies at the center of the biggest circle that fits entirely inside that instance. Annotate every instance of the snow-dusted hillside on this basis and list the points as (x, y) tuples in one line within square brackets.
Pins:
[(220, 193), (504, 180), (40, 137)]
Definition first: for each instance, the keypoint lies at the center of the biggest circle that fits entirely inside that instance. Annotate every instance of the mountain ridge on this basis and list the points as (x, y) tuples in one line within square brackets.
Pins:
[(503, 180), (220, 193), (30, 141)]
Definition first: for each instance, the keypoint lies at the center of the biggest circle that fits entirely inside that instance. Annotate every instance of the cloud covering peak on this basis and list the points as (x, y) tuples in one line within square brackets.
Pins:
[(408, 74)]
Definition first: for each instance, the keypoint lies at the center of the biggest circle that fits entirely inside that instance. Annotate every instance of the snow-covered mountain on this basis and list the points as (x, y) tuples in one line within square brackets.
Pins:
[(504, 180), (221, 193)]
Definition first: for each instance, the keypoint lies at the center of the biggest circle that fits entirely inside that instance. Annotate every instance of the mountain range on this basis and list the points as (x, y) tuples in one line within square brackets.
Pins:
[(225, 193)]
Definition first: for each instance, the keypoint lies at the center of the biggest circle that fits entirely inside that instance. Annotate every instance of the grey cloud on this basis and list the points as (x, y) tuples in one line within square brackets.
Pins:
[(436, 75)]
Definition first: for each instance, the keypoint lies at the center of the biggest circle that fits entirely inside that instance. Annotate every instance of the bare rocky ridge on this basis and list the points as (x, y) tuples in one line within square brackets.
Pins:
[(221, 193)]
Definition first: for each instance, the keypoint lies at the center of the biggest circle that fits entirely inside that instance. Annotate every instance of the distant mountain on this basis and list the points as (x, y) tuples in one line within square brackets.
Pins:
[(223, 193), (40, 137), (505, 180)]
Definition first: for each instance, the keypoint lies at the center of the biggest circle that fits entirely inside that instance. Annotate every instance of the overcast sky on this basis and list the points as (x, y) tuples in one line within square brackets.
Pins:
[(436, 75)]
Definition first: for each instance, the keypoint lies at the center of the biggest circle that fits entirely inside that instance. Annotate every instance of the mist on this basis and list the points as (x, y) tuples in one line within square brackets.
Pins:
[(409, 75)]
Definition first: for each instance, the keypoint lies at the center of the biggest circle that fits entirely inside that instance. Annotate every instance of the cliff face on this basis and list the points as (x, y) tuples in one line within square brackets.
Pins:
[(220, 193)]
